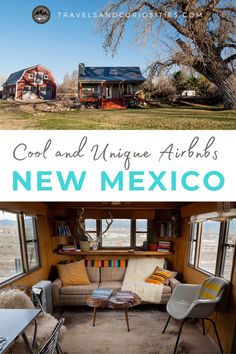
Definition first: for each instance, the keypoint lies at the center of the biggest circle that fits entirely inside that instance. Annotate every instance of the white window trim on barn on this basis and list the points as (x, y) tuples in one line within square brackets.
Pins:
[(31, 76)]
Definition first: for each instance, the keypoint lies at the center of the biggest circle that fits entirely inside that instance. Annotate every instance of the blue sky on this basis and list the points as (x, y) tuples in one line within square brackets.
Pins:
[(61, 43)]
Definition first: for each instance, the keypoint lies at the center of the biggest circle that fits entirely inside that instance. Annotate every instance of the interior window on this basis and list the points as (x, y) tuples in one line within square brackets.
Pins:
[(11, 263), (31, 239), (118, 235), (91, 228), (209, 246), (192, 243), (141, 231), (229, 249)]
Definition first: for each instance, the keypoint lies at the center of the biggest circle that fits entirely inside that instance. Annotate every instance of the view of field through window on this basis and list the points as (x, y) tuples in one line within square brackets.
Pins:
[(11, 263), (209, 246), (10, 250), (119, 234), (217, 241)]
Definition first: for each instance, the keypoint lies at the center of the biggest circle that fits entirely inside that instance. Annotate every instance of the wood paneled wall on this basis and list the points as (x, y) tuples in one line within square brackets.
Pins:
[(225, 322), (40, 210)]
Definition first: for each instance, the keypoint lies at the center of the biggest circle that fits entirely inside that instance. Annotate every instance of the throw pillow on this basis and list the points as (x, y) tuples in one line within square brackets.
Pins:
[(211, 288), (160, 276), (73, 273)]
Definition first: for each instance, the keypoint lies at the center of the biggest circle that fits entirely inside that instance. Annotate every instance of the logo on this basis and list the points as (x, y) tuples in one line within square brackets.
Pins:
[(41, 14)]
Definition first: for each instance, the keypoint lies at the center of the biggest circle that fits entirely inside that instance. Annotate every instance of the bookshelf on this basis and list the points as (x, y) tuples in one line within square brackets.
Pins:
[(167, 225)]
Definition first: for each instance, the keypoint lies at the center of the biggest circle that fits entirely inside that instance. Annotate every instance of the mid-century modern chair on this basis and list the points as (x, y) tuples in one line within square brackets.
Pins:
[(52, 343), (195, 301)]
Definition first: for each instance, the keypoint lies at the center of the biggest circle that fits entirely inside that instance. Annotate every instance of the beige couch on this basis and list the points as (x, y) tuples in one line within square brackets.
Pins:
[(111, 278)]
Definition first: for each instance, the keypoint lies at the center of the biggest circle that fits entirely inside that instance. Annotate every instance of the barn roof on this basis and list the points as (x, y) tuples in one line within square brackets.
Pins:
[(15, 77), (112, 73)]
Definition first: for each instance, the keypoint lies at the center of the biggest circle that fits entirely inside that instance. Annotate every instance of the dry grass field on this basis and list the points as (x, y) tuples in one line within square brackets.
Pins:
[(13, 116)]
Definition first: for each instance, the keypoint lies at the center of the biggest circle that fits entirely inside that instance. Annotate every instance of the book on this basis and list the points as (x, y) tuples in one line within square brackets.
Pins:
[(124, 295), (103, 294), (164, 246)]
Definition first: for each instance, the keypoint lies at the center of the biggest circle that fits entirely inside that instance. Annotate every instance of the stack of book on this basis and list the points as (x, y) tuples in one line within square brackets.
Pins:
[(103, 294), (163, 246), (124, 295), (67, 248)]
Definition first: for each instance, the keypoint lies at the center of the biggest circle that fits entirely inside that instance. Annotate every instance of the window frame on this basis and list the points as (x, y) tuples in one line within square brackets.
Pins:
[(137, 231), (36, 241), (132, 234), (23, 246), (221, 248)]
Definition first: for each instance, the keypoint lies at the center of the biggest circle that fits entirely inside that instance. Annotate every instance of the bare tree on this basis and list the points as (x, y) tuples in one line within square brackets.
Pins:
[(2, 79), (69, 85), (165, 89), (204, 33)]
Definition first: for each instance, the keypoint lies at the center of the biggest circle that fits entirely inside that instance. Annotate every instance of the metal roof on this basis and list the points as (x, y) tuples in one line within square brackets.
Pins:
[(112, 73), (13, 78)]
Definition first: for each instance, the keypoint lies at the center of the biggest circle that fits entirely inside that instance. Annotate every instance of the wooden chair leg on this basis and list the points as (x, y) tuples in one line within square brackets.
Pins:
[(217, 335), (177, 341), (166, 324)]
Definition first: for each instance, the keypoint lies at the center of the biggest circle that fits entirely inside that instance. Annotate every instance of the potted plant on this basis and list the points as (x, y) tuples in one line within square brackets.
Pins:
[(84, 242), (152, 238)]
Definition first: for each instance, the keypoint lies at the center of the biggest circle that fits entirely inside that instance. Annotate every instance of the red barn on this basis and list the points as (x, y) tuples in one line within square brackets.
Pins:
[(32, 83)]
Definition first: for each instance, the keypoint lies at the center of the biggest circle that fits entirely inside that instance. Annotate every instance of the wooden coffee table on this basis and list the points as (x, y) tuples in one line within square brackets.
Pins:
[(111, 303)]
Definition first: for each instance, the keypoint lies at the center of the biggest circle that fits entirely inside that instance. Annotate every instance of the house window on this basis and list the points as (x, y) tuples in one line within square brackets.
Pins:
[(19, 252), (31, 76), (141, 232), (38, 78), (45, 77), (212, 246), (109, 91), (129, 89), (89, 91)]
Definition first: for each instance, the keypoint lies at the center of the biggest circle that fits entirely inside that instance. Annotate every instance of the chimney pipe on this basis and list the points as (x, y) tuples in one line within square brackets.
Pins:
[(81, 69)]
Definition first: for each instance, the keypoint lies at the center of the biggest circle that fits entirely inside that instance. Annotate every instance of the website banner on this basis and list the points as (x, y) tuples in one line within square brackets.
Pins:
[(119, 166)]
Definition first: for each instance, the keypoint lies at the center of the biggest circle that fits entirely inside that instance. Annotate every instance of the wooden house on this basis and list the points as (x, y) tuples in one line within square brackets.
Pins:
[(108, 87), (36, 237), (32, 83)]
